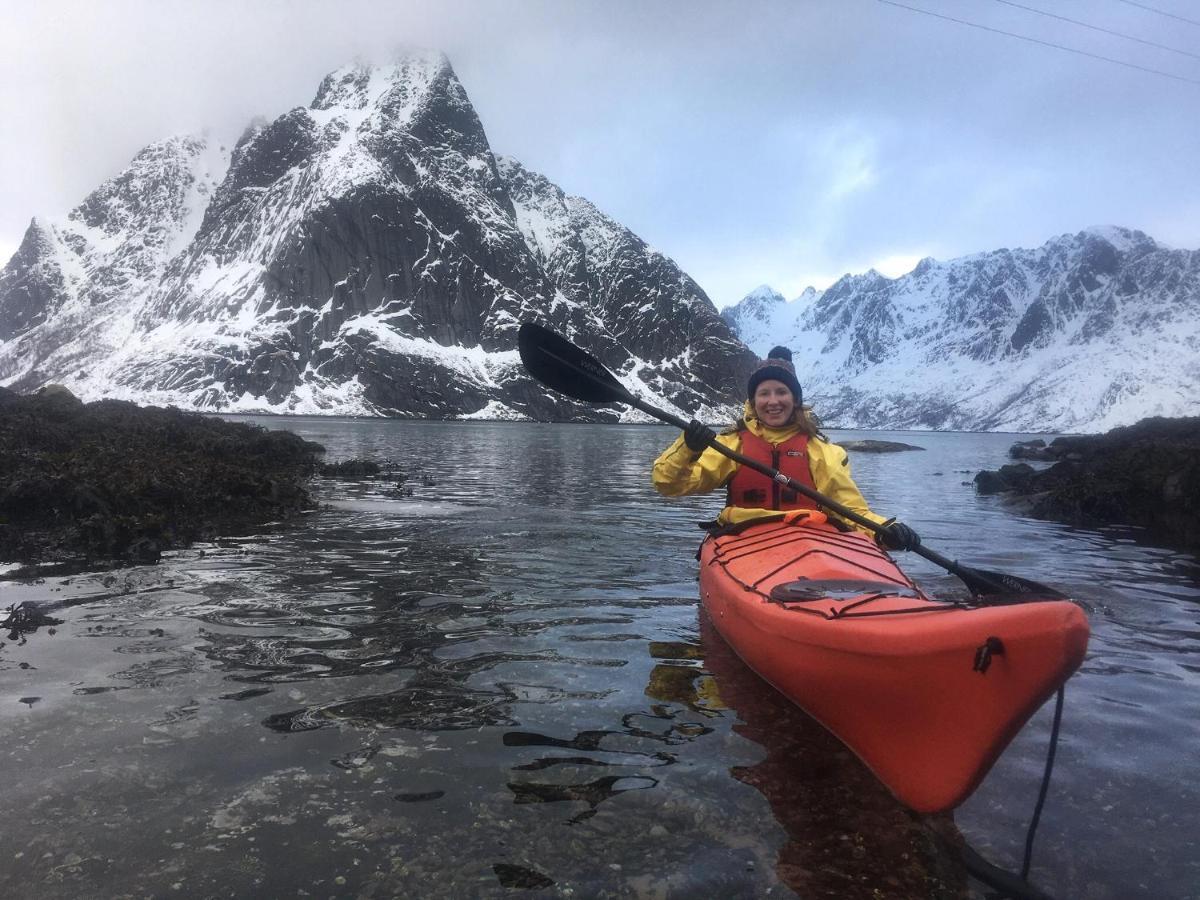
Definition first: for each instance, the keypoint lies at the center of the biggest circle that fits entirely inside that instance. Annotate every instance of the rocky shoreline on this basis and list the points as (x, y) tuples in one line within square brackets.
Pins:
[(1146, 475), (110, 482)]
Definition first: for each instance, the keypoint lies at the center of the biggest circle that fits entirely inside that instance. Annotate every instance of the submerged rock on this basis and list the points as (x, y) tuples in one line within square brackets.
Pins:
[(111, 481), (1147, 474)]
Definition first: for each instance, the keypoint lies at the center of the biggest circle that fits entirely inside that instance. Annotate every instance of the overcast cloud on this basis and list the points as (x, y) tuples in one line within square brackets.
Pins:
[(782, 142)]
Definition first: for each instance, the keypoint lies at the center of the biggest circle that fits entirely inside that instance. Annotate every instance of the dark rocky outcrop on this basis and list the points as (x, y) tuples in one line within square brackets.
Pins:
[(1146, 474), (111, 481), (1008, 478)]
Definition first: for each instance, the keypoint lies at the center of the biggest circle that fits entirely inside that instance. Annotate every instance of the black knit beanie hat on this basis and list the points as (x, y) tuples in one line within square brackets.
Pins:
[(777, 367)]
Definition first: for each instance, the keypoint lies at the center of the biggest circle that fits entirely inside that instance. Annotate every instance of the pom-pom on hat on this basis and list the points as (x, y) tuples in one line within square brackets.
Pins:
[(776, 367)]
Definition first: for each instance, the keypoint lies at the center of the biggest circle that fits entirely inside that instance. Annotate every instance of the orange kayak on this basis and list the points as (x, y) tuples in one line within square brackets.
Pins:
[(927, 693)]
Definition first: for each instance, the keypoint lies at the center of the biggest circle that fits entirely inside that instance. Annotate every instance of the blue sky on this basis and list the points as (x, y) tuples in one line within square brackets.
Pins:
[(781, 142)]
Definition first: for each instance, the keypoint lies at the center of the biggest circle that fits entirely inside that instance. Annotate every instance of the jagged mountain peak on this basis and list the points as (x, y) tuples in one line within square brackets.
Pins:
[(1123, 239), (764, 293), (763, 317), (172, 178), (869, 280), (361, 84)]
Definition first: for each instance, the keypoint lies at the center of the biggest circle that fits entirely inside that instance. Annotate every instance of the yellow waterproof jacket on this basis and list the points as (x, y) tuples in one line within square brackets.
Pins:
[(679, 472)]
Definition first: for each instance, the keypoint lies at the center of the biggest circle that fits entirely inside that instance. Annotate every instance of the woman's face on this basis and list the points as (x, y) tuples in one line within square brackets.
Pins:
[(774, 403)]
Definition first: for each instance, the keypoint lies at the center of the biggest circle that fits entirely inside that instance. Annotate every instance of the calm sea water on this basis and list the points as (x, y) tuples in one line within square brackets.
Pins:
[(500, 685)]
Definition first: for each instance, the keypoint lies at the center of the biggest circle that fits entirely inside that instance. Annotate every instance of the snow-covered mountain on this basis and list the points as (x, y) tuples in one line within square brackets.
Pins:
[(364, 255), (763, 316), (1088, 332)]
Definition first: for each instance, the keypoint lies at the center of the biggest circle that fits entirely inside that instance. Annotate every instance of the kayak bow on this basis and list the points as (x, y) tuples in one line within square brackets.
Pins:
[(926, 693)]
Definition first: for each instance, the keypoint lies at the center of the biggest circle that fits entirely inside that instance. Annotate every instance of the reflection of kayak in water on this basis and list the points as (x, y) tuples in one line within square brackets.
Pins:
[(927, 694), (847, 836)]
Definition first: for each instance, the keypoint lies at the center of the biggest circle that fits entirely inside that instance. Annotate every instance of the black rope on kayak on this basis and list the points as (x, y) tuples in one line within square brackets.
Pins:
[(931, 606), (753, 544), (729, 551), (1009, 885), (1037, 811), (815, 552)]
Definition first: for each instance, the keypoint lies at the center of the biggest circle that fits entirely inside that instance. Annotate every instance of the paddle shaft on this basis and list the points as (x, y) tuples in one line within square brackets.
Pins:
[(832, 505)]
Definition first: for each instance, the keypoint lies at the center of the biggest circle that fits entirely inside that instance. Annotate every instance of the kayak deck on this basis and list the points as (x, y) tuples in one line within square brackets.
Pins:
[(927, 693)]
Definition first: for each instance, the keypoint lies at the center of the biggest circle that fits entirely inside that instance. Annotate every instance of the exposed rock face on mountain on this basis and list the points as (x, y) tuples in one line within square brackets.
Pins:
[(1088, 332), (364, 255), (65, 297), (644, 300)]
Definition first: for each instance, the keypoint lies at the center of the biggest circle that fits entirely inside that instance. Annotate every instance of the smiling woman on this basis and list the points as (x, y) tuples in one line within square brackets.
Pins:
[(776, 431)]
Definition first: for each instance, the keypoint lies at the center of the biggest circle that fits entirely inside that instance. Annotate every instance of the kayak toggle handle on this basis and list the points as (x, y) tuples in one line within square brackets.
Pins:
[(993, 646)]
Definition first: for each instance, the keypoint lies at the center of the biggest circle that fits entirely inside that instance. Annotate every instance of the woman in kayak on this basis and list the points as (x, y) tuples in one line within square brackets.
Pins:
[(776, 430)]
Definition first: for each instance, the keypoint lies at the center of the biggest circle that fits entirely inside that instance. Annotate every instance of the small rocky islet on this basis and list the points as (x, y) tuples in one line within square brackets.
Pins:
[(872, 446), (1145, 475)]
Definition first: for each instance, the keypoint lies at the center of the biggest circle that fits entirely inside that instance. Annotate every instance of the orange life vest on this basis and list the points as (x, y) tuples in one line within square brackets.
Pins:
[(753, 490)]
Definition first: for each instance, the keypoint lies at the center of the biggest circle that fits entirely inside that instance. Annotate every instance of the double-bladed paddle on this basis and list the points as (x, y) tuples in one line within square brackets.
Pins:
[(569, 370)]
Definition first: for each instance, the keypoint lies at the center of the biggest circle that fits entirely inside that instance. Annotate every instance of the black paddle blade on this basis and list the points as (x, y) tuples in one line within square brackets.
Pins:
[(982, 582), (563, 367)]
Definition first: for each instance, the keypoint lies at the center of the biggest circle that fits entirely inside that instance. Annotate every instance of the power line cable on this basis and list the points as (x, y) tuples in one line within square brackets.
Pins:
[(1034, 40), (1128, 37), (1161, 12)]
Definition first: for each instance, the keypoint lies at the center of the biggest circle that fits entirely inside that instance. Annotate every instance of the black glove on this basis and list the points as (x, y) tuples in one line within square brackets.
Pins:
[(698, 436), (899, 536)]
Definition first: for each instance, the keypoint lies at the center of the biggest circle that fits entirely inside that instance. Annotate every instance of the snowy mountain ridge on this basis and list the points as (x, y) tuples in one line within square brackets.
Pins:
[(1089, 331), (364, 255)]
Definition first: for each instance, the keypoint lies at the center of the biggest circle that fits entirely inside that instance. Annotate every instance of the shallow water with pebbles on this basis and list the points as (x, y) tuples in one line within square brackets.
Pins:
[(491, 679)]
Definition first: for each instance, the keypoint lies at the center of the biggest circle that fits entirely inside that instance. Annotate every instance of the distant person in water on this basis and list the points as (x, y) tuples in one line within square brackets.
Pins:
[(776, 430)]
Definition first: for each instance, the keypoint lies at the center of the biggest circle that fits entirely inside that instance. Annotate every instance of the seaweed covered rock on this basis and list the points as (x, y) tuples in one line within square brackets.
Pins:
[(1146, 474), (113, 481), (1008, 478)]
